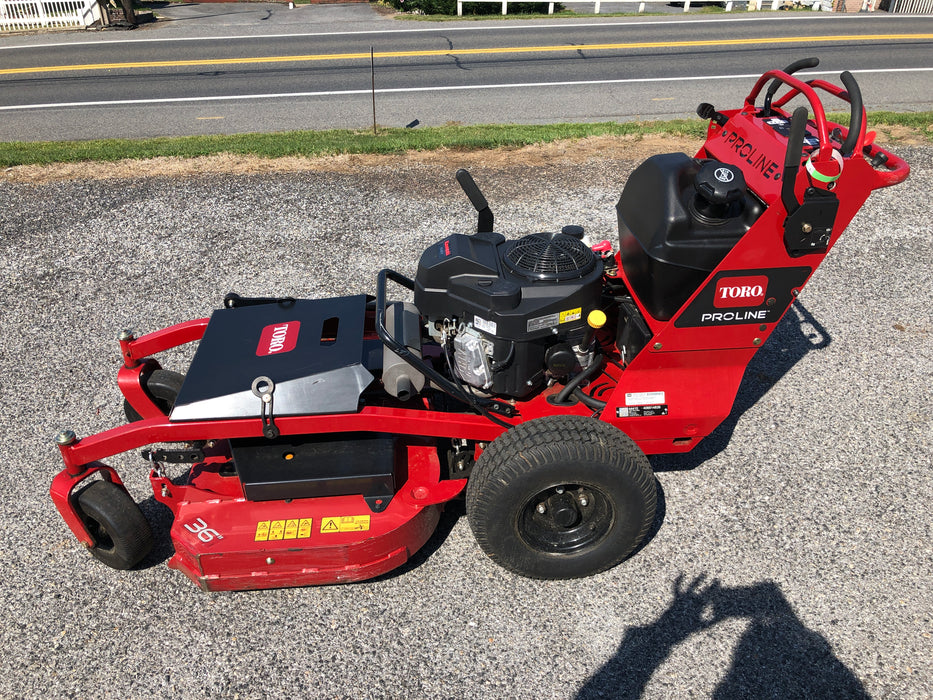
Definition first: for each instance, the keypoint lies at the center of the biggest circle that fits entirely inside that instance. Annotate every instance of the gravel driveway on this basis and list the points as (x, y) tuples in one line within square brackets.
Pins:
[(791, 556)]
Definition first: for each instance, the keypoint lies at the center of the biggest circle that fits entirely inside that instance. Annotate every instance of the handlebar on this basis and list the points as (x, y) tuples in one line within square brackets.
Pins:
[(856, 134), (776, 84), (797, 87), (856, 115), (895, 169)]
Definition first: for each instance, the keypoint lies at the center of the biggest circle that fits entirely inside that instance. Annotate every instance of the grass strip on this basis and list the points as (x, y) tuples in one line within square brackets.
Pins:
[(331, 142), (386, 140)]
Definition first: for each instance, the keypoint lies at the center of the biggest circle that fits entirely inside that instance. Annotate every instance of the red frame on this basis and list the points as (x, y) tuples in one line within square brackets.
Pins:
[(698, 369)]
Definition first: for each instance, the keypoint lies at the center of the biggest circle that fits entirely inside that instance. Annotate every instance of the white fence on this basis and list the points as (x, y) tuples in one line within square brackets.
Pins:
[(597, 3), (750, 5), (17, 15), (912, 6)]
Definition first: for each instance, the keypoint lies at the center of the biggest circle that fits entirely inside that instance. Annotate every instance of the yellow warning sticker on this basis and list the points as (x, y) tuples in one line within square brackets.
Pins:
[(267, 530), (571, 315), (304, 528), (345, 523), (276, 529)]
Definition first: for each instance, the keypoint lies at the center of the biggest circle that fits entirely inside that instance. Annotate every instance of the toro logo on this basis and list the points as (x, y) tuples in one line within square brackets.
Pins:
[(278, 338), (740, 291)]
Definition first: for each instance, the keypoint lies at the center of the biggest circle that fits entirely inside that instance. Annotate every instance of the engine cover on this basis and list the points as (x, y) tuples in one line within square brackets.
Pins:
[(519, 298)]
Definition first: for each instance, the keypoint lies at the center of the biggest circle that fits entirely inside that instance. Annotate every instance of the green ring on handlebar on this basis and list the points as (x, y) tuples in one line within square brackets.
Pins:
[(817, 175)]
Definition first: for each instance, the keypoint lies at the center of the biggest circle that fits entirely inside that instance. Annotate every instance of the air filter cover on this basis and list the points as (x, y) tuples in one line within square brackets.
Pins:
[(549, 256)]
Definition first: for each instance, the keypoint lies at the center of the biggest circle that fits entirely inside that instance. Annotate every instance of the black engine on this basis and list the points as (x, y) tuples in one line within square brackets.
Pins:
[(509, 314)]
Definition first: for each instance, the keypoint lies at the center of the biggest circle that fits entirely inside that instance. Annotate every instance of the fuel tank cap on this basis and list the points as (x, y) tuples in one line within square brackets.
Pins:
[(720, 183), (720, 192)]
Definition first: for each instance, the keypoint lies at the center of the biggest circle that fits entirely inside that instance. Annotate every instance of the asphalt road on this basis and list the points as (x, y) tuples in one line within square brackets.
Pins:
[(790, 558), (273, 73)]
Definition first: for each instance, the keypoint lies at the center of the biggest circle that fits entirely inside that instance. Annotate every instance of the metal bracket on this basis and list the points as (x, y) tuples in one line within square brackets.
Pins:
[(810, 227), (235, 301), (263, 387), (192, 456)]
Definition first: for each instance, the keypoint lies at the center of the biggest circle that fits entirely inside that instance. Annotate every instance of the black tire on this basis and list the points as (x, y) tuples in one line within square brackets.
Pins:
[(163, 387), (595, 486), (122, 536)]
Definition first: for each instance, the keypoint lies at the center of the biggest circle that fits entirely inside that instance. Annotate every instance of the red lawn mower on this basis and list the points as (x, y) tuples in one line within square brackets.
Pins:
[(323, 437)]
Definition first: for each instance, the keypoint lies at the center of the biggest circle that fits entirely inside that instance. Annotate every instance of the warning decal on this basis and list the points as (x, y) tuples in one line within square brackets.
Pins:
[(571, 315), (638, 411), (268, 530), (345, 523), (644, 398)]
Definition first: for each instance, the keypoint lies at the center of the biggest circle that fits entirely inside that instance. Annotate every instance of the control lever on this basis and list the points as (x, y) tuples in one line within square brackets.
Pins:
[(798, 128), (706, 111), (473, 193), (809, 224)]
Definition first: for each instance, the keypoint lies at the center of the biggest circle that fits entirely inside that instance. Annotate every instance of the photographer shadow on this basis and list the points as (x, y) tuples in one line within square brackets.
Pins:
[(777, 656), (797, 334)]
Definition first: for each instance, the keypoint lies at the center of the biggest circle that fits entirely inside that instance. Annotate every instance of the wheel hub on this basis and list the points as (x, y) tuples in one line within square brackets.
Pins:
[(566, 518), (562, 508)]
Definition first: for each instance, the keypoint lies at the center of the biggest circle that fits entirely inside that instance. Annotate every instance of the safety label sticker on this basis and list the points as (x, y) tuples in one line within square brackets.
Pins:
[(571, 315), (639, 411), (270, 530), (542, 322), (644, 398), (345, 523), (484, 325)]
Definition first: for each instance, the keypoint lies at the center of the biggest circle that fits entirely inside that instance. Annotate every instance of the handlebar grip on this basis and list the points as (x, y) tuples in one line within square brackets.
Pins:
[(798, 128), (800, 64), (474, 194), (855, 114), (470, 188)]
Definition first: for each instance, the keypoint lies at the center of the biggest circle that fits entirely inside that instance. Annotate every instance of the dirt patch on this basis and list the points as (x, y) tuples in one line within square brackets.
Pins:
[(567, 151), (905, 135)]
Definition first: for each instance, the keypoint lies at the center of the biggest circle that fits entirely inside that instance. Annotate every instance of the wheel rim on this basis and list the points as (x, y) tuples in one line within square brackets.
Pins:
[(565, 519), (102, 538)]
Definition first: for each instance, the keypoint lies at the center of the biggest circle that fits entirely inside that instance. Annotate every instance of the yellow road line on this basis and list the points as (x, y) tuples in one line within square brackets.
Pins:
[(468, 52)]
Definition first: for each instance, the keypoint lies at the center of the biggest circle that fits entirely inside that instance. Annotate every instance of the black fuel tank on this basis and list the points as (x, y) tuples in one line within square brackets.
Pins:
[(678, 218)]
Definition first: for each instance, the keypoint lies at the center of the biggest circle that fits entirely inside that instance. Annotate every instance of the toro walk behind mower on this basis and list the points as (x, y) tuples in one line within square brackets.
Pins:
[(321, 438)]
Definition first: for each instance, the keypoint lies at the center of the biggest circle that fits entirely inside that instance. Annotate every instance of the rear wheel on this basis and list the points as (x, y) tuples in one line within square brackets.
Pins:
[(561, 497), (163, 386), (122, 536)]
